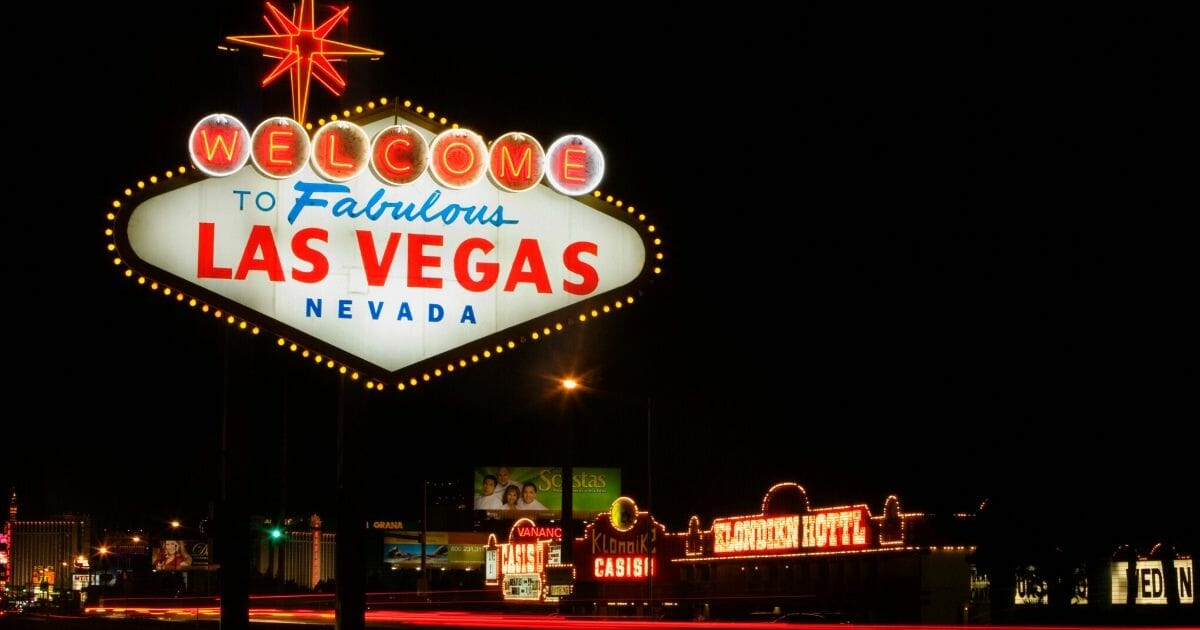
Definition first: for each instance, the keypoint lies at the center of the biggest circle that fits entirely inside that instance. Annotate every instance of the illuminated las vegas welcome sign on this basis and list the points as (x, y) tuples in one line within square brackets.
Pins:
[(384, 243)]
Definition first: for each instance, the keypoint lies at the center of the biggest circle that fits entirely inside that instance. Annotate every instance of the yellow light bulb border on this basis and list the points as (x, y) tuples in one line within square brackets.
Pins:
[(407, 378)]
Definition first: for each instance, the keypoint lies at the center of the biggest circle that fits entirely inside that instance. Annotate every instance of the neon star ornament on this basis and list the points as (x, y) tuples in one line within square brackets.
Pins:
[(304, 51)]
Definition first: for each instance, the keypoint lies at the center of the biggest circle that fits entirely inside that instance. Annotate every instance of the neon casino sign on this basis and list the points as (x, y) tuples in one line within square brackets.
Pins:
[(820, 529), (623, 543)]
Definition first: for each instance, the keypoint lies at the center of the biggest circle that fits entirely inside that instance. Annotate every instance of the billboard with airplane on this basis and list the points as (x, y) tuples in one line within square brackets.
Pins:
[(442, 549)]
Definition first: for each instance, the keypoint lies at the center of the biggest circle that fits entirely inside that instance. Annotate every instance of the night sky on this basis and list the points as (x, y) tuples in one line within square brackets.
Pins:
[(942, 256)]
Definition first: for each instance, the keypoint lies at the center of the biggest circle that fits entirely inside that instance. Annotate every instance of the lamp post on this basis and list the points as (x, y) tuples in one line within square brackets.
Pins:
[(649, 504), (274, 538), (423, 579), (101, 565), (569, 386)]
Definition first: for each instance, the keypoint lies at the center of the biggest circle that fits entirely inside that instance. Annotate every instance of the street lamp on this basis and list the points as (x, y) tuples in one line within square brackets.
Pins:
[(569, 385), (649, 508), (102, 562), (423, 579), (274, 537)]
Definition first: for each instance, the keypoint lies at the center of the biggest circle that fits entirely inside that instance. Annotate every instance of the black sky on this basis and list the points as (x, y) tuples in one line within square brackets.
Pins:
[(937, 255)]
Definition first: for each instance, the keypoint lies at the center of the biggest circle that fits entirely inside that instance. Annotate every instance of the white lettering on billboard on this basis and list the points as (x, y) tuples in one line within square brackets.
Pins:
[(1150, 584)]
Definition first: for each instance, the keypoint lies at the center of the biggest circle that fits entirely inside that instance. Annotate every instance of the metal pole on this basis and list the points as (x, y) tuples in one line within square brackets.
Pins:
[(423, 581), (233, 544), (568, 497), (649, 494), (277, 547), (350, 571), (649, 504), (271, 556)]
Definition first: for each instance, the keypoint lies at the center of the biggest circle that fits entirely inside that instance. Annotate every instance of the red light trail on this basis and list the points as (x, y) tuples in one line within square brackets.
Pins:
[(453, 619)]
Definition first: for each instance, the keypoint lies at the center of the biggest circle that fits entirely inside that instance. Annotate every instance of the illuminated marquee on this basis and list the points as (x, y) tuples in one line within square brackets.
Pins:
[(622, 544), (755, 534), (1150, 583), (607, 543), (522, 558), (491, 572), (837, 528), (831, 528), (623, 567), (540, 532), (340, 151), (523, 561), (402, 251)]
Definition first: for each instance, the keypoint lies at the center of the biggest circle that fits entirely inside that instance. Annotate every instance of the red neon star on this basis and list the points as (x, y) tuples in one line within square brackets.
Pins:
[(303, 51)]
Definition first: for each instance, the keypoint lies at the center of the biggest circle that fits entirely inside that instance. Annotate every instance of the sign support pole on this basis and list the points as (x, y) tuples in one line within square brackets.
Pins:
[(350, 564), (652, 556), (233, 518)]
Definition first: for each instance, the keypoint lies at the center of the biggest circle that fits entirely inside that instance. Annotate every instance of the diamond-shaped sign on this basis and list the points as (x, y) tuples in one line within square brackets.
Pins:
[(313, 239)]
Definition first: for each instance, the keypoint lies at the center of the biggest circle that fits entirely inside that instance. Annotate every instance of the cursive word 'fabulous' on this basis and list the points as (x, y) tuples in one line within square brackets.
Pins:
[(312, 195)]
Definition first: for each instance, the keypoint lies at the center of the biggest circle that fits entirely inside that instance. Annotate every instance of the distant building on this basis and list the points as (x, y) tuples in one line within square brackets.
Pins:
[(42, 554), (303, 555)]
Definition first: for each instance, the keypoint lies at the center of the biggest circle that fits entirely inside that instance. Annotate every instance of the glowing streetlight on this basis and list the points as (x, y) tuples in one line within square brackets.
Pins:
[(569, 385), (175, 524)]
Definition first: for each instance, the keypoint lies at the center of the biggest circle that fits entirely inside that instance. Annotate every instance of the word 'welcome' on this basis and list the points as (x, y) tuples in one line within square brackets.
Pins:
[(398, 155)]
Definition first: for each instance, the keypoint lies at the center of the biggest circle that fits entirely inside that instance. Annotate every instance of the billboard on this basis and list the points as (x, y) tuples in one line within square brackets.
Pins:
[(1150, 582), (385, 247), (1032, 588), (175, 554), (43, 575), (536, 491), (442, 549)]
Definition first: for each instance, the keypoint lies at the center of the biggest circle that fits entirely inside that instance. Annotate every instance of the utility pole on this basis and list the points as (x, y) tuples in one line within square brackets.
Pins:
[(423, 581), (234, 541), (350, 571), (649, 503)]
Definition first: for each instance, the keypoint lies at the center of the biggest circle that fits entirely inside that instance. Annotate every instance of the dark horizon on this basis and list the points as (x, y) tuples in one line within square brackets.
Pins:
[(899, 261)]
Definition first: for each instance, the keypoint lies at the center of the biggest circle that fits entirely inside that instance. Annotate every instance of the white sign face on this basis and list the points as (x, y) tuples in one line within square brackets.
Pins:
[(490, 572), (392, 275), (1150, 584)]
